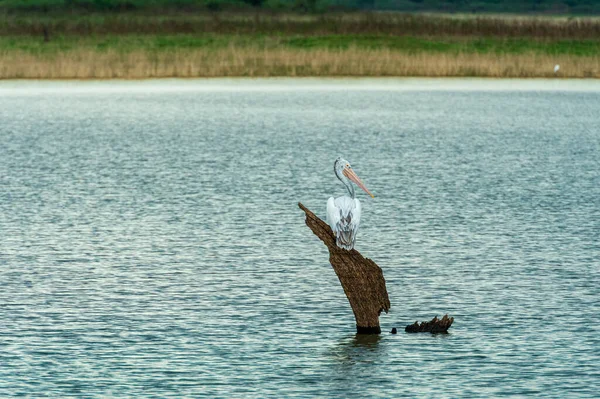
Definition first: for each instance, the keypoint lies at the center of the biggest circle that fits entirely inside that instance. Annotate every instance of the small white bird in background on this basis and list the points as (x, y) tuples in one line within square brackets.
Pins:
[(556, 68), (343, 213)]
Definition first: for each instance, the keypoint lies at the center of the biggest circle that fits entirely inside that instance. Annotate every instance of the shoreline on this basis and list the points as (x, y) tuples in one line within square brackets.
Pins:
[(335, 78), (281, 84)]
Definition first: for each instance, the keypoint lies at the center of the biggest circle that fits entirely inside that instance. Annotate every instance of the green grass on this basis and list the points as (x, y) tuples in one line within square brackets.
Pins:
[(407, 44), (350, 24), (412, 44), (136, 45)]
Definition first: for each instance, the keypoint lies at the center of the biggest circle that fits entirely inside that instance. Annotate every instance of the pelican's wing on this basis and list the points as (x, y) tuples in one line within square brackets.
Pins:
[(356, 216), (343, 215), (333, 214)]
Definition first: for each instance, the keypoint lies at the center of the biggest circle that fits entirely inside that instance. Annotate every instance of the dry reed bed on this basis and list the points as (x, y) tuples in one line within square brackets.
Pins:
[(232, 61), (286, 24)]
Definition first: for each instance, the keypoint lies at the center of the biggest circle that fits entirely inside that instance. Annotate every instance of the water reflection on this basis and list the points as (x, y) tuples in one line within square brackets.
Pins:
[(360, 348), (370, 341)]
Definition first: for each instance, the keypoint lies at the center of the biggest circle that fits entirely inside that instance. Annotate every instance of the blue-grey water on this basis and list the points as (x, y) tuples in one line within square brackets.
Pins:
[(151, 244)]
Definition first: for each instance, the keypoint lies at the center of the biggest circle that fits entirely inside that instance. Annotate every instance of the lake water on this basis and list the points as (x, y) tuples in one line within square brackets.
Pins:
[(151, 244)]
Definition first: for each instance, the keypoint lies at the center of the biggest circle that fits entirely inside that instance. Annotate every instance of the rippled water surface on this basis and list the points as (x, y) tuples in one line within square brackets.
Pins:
[(151, 244)]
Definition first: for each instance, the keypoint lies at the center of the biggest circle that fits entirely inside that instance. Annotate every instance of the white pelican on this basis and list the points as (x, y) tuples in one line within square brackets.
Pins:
[(343, 213)]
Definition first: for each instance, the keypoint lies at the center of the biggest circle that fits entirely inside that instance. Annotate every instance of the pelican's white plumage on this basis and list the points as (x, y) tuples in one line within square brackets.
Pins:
[(343, 216), (343, 213)]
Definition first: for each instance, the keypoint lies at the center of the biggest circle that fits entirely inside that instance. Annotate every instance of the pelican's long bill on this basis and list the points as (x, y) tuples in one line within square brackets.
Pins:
[(349, 173)]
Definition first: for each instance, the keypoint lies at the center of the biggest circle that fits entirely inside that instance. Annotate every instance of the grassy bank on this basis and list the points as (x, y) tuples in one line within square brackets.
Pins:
[(254, 62), (143, 46), (384, 24)]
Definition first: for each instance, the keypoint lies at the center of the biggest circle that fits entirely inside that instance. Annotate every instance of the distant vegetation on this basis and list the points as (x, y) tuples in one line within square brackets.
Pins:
[(204, 38), (376, 25), (579, 7)]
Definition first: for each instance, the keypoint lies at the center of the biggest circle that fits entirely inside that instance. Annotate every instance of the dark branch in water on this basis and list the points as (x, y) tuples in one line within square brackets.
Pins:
[(434, 326), (361, 279)]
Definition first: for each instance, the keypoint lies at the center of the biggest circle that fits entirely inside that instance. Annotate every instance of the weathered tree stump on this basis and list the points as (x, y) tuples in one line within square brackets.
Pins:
[(361, 279), (434, 326)]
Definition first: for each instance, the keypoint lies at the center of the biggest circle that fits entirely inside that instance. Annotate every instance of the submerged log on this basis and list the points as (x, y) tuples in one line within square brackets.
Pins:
[(361, 279), (434, 326)]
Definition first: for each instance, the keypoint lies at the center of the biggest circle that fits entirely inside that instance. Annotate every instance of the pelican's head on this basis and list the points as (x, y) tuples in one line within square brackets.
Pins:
[(343, 170)]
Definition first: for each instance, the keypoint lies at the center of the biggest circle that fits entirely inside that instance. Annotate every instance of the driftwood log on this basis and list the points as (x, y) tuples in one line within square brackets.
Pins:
[(361, 279), (434, 326)]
